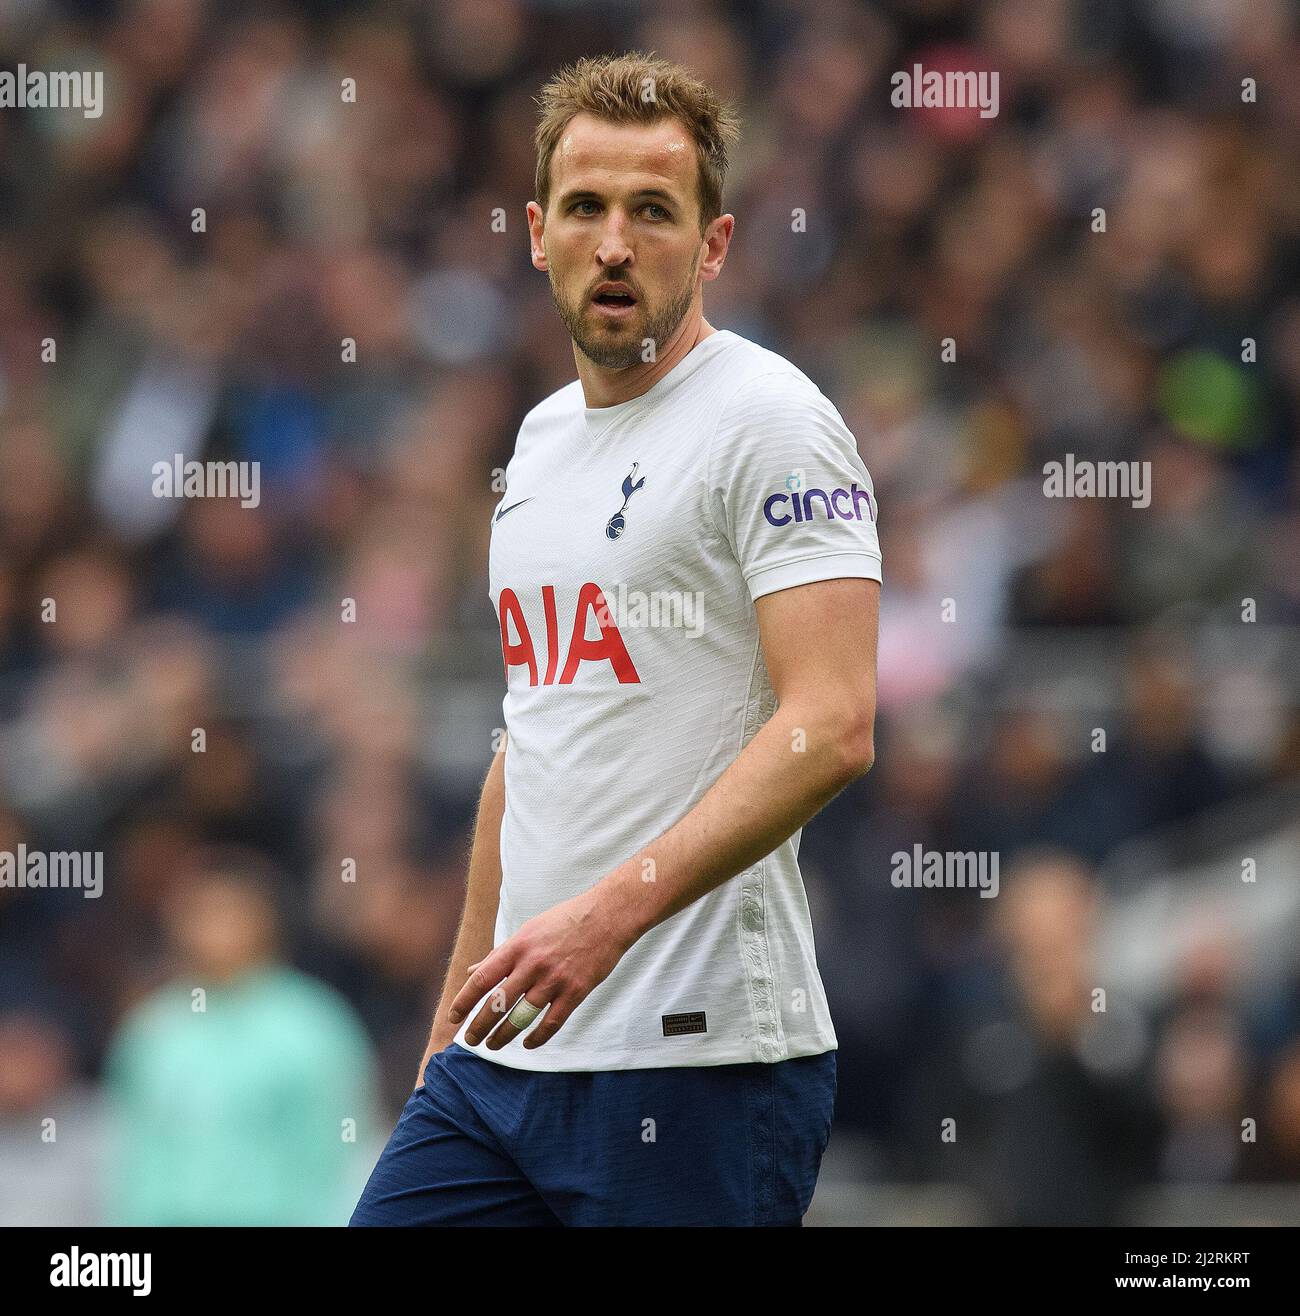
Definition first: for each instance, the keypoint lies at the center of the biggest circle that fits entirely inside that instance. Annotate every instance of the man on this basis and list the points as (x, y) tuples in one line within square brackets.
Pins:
[(686, 573)]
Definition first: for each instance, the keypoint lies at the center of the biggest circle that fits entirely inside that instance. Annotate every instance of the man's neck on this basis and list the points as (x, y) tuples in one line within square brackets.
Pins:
[(602, 387)]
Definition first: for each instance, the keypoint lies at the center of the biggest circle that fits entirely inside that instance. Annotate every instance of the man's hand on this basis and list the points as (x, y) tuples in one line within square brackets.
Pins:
[(555, 960)]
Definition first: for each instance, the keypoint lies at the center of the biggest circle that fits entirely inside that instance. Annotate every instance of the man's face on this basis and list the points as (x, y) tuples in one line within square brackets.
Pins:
[(620, 240)]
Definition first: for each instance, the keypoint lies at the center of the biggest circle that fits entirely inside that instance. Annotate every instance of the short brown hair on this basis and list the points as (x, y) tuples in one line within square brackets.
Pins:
[(614, 87)]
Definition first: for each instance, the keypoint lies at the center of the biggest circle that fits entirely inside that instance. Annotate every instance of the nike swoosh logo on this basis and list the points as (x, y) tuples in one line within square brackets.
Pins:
[(511, 508)]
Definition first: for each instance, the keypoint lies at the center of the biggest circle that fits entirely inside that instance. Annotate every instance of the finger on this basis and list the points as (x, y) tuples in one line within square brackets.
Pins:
[(488, 974), (508, 1030), (495, 1009), (492, 1012), (550, 1023)]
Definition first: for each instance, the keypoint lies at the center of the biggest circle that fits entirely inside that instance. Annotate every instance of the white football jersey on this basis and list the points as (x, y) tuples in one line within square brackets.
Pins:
[(625, 559)]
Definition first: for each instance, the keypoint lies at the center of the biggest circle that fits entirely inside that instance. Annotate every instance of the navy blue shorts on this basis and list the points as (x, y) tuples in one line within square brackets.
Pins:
[(483, 1144)]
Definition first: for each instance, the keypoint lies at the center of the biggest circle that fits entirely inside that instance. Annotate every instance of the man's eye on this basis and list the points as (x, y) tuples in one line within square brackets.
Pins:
[(578, 207), (661, 213)]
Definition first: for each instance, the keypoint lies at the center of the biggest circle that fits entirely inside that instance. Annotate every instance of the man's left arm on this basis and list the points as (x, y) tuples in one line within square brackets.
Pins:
[(819, 644)]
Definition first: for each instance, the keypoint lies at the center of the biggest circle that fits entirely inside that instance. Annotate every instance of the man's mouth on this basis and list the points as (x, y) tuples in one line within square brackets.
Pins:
[(614, 297)]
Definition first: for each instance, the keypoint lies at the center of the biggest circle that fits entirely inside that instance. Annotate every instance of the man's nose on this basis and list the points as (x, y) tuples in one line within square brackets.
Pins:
[(614, 248)]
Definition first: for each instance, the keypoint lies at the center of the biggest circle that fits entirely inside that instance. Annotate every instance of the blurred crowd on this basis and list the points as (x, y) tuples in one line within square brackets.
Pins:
[(1114, 258)]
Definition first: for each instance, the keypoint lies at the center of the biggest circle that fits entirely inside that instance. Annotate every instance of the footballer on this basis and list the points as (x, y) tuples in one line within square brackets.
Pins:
[(633, 1030)]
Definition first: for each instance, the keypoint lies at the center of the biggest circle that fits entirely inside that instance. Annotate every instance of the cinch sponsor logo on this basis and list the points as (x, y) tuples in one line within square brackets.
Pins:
[(845, 504), (591, 606)]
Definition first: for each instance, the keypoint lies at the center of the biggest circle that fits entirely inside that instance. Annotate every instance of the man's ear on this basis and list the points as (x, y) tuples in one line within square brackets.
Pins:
[(536, 236), (717, 239)]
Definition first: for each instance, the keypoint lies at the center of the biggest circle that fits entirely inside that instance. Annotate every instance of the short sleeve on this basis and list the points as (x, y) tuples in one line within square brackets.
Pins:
[(789, 491)]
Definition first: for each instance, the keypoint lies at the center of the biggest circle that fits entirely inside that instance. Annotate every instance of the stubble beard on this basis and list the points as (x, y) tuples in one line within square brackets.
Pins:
[(619, 347)]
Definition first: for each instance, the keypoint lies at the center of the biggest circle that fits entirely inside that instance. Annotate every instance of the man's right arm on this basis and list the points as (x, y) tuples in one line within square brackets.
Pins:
[(478, 918)]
